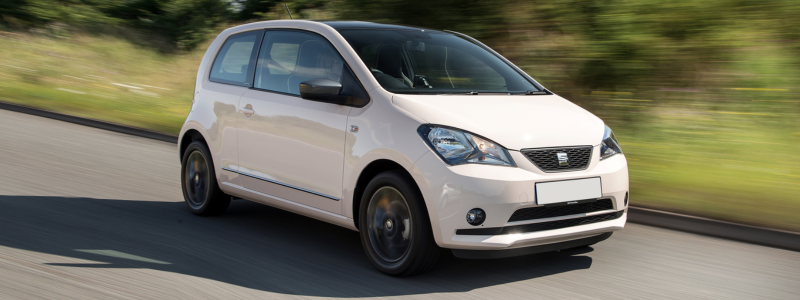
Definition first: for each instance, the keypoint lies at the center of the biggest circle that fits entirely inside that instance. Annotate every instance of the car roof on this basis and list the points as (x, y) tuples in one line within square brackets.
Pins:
[(340, 25)]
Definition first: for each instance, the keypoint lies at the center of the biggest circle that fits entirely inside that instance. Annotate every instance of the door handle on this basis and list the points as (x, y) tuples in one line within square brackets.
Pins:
[(248, 110)]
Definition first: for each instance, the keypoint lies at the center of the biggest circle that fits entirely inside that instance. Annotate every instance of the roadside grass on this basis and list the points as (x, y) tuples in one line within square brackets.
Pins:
[(728, 152), (98, 77), (738, 167), (727, 148)]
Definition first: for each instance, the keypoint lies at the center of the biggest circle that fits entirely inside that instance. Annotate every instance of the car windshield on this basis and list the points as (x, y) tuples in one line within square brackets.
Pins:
[(433, 62)]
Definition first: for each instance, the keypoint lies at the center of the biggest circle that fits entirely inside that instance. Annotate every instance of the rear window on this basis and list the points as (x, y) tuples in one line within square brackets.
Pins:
[(236, 59)]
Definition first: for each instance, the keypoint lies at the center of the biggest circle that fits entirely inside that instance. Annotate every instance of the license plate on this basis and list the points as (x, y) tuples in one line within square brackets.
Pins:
[(568, 190)]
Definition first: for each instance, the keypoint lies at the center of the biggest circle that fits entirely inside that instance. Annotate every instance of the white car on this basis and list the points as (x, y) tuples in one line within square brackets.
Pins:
[(418, 139)]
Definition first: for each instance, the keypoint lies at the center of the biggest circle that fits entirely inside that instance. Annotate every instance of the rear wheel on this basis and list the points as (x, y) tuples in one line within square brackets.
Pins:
[(199, 182), (394, 226)]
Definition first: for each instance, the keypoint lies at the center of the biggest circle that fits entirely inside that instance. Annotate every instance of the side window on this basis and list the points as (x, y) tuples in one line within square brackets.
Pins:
[(236, 59), (288, 58)]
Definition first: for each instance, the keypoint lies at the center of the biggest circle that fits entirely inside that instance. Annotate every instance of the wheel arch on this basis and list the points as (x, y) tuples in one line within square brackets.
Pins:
[(370, 171), (189, 136)]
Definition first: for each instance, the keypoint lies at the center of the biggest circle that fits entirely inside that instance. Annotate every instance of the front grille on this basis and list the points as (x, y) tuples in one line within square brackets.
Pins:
[(542, 226), (546, 159), (541, 212)]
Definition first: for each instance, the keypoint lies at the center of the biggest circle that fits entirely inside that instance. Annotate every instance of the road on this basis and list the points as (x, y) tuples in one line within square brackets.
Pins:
[(91, 214)]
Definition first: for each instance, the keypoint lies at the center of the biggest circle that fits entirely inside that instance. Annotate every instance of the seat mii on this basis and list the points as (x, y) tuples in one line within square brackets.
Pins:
[(420, 140)]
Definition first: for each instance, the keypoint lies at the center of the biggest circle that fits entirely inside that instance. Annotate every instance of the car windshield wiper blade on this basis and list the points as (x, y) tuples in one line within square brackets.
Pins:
[(535, 93), (486, 93)]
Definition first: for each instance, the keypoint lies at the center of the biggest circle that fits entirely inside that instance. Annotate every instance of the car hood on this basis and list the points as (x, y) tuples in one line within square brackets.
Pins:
[(515, 122)]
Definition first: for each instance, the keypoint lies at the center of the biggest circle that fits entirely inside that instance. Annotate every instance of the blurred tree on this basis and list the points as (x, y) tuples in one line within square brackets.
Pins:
[(594, 44), (250, 9), (78, 13), (269, 9), (12, 12), (480, 19), (184, 22)]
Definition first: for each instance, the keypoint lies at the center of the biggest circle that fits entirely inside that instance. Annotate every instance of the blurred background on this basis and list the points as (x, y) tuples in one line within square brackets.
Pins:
[(703, 95)]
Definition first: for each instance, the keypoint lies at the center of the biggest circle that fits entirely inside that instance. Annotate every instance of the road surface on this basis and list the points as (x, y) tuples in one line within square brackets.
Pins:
[(91, 214)]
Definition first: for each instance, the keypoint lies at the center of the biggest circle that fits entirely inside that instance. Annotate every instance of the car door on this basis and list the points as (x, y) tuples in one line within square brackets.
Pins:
[(290, 147), (230, 75)]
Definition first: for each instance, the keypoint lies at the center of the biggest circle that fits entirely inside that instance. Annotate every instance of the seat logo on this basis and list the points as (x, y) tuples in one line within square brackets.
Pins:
[(563, 160)]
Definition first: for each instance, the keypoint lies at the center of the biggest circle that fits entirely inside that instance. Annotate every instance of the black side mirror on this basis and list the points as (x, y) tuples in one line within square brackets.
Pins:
[(326, 90), (319, 89)]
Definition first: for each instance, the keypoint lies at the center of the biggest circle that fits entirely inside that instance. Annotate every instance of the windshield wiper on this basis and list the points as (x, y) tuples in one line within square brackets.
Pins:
[(535, 93)]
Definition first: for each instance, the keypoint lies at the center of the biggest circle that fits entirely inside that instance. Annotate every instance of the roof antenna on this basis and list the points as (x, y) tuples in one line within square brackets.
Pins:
[(287, 10)]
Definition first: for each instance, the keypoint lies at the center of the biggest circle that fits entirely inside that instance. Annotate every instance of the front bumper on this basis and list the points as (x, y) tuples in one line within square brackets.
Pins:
[(493, 254), (451, 191)]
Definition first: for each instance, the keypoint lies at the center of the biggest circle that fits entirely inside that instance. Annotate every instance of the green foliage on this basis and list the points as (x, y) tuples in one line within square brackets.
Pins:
[(79, 13), (185, 23), (253, 9), (480, 19)]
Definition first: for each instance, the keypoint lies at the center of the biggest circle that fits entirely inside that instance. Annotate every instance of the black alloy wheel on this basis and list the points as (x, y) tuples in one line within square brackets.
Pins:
[(394, 226), (199, 182), (389, 222)]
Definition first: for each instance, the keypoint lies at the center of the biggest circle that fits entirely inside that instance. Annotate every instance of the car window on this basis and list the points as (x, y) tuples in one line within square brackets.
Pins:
[(288, 58), (426, 61), (236, 59), (284, 56), (452, 68)]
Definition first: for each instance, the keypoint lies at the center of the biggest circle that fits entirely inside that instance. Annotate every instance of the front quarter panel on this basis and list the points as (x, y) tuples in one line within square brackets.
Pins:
[(385, 132)]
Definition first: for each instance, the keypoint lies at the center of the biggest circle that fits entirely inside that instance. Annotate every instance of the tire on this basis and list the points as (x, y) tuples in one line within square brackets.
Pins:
[(394, 226), (199, 182)]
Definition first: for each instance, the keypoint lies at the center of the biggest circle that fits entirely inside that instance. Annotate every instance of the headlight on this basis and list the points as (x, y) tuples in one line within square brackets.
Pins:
[(610, 145), (457, 147)]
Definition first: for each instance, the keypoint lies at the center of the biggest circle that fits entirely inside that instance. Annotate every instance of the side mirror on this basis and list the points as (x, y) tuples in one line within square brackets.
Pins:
[(328, 91), (320, 89)]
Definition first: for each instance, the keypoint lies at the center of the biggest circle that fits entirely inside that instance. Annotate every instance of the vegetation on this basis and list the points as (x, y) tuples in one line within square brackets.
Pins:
[(702, 94)]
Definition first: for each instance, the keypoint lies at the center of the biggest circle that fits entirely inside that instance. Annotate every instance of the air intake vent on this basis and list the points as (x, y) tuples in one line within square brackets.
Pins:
[(542, 226), (541, 212)]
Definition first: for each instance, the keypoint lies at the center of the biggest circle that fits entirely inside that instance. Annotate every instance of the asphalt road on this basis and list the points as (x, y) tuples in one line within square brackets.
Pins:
[(87, 213)]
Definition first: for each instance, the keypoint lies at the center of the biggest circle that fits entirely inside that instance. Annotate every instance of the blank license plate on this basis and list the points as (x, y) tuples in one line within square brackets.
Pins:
[(568, 190)]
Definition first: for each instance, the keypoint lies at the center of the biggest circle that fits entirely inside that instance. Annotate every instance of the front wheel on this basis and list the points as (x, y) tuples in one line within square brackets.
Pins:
[(394, 226), (199, 182)]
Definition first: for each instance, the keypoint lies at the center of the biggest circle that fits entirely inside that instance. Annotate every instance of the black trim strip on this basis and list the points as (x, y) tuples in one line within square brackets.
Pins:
[(533, 227), (562, 209), (281, 183)]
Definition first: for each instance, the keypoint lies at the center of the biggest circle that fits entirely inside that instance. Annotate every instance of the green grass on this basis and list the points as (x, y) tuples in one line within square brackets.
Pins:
[(726, 149), (101, 78), (736, 161)]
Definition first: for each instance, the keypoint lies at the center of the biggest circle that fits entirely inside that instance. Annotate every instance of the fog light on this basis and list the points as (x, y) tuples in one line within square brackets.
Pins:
[(476, 216), (626, 199)]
